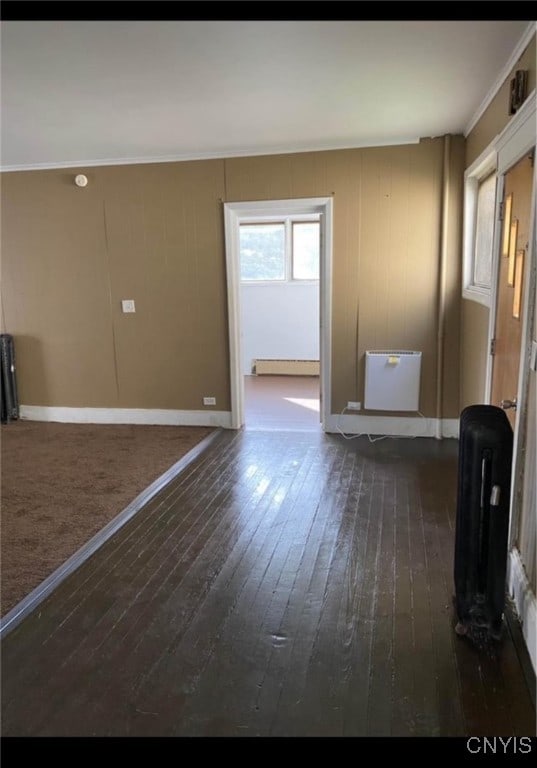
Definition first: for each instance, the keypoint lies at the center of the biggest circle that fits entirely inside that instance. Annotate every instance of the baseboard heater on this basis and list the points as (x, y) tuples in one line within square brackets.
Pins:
[(286, 367)]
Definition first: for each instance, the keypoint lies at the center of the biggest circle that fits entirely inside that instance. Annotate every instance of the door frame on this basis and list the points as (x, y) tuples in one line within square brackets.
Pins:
[(234, 213), (515, 141)]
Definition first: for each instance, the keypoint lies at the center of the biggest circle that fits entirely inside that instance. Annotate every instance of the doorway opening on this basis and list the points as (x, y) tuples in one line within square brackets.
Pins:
[(282, 402), (279, 259)]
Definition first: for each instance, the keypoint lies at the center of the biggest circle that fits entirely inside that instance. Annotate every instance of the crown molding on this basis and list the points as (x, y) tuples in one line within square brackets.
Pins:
[(187, 156), (503, 75)]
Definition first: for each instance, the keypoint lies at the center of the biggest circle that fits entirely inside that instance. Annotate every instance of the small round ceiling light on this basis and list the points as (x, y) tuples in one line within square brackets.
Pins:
[(81, 180)]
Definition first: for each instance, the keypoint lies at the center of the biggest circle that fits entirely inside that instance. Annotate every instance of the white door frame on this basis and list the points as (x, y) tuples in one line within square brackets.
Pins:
[(515, 141), (234, 213)]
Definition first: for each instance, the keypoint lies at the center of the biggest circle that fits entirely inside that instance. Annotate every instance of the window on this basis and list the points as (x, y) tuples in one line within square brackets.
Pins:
[(262, 250), (479, 228), (305, 250), (484, 231), (285, 250)]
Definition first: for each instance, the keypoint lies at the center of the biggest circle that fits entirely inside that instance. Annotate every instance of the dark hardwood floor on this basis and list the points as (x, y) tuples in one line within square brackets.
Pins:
[(285, 584)]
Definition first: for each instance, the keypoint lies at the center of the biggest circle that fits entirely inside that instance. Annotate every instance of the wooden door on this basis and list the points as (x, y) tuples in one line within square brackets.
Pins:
[(510, 290)]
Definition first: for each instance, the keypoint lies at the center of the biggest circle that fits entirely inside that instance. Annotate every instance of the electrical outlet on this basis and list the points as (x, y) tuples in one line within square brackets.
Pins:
[(354, 406), (209, 401)]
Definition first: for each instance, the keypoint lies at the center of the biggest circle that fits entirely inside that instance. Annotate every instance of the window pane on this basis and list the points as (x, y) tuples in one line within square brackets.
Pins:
[(306, 250), (484, 231), (262, 251)]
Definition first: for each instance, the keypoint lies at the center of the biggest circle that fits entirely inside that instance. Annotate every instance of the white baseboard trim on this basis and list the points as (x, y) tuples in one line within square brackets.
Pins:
[(450, 428), (398, 426), (525, 603), (126, 416)]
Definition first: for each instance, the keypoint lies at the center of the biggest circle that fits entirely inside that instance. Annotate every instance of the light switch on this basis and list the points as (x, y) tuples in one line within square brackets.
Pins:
[(128, 305)]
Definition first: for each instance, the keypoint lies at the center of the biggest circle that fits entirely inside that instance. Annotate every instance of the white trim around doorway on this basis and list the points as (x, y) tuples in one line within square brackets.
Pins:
[(234, 214), (516, 140)]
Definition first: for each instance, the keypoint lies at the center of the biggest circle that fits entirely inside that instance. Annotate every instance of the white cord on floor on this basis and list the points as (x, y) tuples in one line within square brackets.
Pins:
[(380, 437)]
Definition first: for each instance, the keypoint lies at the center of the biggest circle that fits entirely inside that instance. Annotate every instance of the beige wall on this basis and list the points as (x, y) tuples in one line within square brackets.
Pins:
[(475, 317), (55, 289), (165, 245), (154, 233), (387, 204)]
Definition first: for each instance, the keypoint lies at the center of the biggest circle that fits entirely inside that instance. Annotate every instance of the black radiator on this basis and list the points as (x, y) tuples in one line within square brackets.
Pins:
[(10, 400), (484, 485)]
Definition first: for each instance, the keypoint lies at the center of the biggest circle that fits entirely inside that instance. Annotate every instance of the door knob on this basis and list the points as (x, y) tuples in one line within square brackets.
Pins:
[(506, 404)]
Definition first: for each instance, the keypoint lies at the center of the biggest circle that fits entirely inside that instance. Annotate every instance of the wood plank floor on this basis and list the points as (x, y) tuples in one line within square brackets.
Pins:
[(286, 584)]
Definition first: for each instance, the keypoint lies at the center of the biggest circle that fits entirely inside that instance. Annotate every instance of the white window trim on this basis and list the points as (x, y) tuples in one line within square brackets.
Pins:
[(485, 164)]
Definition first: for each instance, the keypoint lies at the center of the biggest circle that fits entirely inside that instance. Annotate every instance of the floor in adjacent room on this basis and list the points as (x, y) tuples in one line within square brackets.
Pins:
[(288, 583), (282, 402)]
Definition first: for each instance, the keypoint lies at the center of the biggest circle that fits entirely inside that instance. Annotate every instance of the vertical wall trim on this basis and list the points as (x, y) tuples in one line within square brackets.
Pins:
[(442, 284), (110, 299), (225, 179), (4, 326)]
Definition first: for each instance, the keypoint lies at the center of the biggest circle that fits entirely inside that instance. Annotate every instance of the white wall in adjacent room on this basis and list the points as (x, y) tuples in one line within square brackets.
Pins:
[(279, 321)]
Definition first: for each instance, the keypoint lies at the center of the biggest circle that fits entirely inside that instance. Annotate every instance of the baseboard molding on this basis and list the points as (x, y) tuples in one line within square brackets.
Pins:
[(525, 603), (398, 426), (401, 426), (43, 590), (155, 416)]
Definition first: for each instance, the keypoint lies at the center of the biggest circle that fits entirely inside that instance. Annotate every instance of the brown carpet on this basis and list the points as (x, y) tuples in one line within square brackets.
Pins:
[(62, 483)]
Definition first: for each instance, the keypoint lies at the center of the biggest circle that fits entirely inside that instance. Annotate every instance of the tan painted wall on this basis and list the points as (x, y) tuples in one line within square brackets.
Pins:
[(154, 233), (475, 317), (387, 204), (55, 289), (165, 243)]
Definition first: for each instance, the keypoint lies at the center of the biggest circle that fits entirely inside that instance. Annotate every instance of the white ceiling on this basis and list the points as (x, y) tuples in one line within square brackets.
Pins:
[(81, 92)]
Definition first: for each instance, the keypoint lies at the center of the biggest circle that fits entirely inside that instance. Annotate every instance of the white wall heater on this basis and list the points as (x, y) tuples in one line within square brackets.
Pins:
[(392, 380)]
